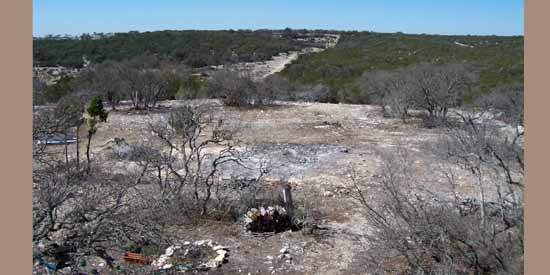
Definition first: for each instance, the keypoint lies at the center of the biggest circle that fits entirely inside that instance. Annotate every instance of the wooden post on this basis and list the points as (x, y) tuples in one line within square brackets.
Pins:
[(286, 196)]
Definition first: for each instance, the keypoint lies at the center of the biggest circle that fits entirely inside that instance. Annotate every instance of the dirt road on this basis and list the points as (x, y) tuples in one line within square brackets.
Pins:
[(262, 69)]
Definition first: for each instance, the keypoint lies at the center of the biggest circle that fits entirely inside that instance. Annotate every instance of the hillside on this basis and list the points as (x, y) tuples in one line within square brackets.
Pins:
[(499, 58), (194, 48)]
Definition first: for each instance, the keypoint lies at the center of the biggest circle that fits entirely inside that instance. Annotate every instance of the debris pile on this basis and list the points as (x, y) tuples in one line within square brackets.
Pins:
[(270, 219), (202, 255), (120, 148), (285, 254), (284, 261)]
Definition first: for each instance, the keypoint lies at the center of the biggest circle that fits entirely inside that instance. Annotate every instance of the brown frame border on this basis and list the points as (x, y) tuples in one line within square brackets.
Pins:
[(16, 56), (16, 118), (537, 112)]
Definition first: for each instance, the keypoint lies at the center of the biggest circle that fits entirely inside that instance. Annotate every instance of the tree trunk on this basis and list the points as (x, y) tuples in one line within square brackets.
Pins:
[(112, 100), (159, 174), (90, 135), (204, 202), (136, 101), (78, 147), (286, 198), (113, 104), (66, 151)]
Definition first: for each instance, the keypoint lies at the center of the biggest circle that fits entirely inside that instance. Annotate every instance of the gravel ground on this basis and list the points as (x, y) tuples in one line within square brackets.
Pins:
[(313, 146)]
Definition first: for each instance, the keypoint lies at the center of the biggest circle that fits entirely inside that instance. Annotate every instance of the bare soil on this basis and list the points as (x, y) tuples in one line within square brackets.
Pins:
[(313, 146)]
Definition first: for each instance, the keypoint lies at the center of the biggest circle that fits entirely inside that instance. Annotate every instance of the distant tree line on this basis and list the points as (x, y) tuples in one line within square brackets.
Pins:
[(146, 80), (192, 48), (143, 80)]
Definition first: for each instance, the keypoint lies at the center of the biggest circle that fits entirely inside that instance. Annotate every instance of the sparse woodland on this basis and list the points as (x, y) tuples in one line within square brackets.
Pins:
[(446, 198)]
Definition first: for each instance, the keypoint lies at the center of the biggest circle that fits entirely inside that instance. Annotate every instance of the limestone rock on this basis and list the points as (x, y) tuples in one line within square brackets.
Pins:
[(220, 247), (220, 258)]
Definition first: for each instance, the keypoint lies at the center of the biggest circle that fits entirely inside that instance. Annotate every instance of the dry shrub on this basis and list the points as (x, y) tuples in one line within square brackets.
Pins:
[(412, 230), (506, 100), (238, 90)]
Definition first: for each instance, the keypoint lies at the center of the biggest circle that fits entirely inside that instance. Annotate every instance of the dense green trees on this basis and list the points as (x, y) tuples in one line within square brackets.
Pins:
[(193, 48), (498, 59)]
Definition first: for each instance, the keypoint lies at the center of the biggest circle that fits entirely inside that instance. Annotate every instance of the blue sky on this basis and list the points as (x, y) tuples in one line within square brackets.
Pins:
[(499, 17)]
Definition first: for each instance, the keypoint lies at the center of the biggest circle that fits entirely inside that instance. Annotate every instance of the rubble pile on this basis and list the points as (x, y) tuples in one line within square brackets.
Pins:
[(202, 255), (118, 147), (283, 263), (270, 219)]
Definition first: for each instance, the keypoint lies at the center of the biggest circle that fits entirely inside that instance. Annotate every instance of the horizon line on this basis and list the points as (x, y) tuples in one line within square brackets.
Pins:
[(270, 29)]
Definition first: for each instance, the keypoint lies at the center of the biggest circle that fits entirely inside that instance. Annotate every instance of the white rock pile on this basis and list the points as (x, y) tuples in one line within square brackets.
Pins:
[(221, 253)]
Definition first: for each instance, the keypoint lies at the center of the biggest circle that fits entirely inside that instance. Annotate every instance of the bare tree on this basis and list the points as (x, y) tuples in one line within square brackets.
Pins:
[(188, 160), (375, 84), (413, 229), (233, 88), (506, 100), (272, 88), (429, 87), (389, 89), (437, 88), (482, 147), (316, 93), (76, 215), (146, 81), (107, 82), (59, 121), (71, 108), (416, 227), (155, 85), (45, 124), (38, 87)]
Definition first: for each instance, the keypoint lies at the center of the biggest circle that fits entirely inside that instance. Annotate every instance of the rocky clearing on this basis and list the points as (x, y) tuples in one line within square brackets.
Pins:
[(317, 148), (314, 147)]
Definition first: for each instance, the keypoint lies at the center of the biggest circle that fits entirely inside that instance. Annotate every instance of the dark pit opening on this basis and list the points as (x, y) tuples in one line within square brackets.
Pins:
[(270, 219)]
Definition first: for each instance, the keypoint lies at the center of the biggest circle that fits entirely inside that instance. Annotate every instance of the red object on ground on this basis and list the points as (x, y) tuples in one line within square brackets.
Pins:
[(135, 258)]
